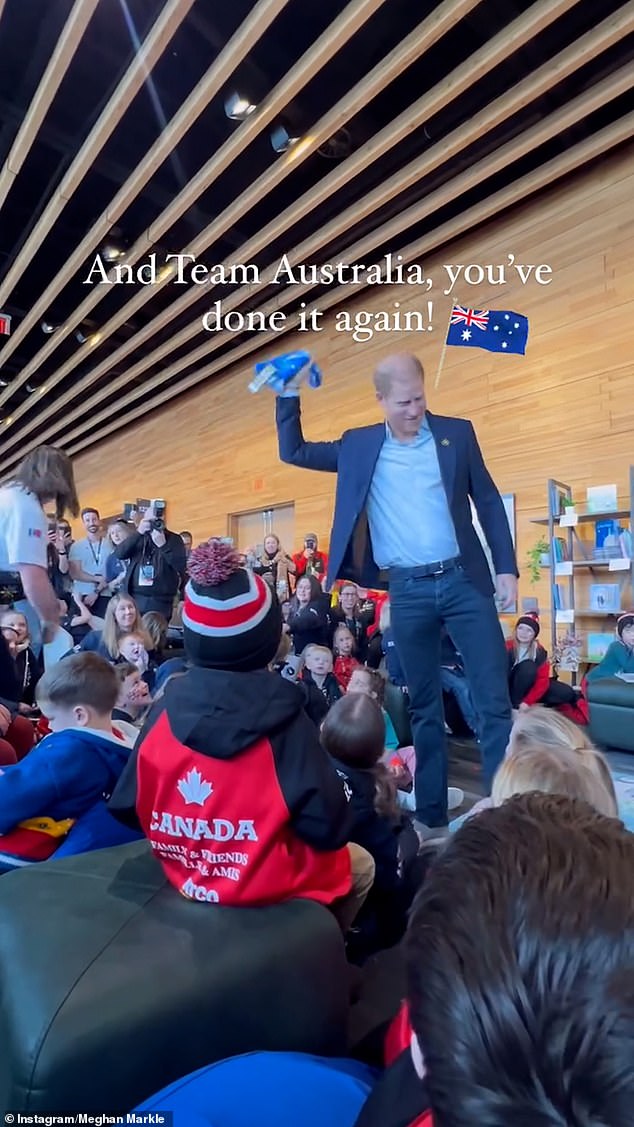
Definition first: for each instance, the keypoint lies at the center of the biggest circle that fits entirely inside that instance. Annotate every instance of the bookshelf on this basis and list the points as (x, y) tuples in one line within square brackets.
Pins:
[(590, 567)]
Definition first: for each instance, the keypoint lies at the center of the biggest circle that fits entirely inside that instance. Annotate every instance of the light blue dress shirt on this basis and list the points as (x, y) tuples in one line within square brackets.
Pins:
[(408, 513)]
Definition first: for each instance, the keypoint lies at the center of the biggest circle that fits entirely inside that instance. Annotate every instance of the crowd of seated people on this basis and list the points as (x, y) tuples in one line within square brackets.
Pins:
[(288, 707)]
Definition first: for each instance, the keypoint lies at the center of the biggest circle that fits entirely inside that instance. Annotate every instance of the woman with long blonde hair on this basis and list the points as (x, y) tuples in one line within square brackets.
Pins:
[(122, 617)]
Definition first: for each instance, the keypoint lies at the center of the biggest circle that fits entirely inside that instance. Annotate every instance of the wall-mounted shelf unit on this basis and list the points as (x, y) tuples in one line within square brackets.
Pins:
[(578, 601)]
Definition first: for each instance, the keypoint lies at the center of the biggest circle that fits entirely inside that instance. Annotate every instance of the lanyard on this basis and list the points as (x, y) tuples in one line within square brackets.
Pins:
[(95, 555)]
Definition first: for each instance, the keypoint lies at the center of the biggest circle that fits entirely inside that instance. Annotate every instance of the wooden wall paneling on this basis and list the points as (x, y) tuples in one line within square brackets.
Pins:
[(563, 410), (531, 138), (519, 32), (423, 37)]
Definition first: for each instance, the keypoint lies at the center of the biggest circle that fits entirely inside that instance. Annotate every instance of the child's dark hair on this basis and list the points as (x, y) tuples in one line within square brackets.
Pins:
[(81, 679), (354, 733)]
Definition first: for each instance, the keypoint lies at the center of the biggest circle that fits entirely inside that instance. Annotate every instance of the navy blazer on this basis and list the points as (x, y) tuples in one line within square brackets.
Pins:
[(353, 458)]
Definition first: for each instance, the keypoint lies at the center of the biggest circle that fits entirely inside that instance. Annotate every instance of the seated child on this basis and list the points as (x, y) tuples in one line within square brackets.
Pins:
[(353, 735), (133, 649), (290, 666), (529, 668), (344, 648), (547, 752), (518, 950), (228, 780), (318, 671), (371, 683), (133, 700), (619, 656), (62, 780), (28, 667)]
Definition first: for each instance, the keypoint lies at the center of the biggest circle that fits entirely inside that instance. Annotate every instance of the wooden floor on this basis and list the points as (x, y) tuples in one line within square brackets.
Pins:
[(464, 771)]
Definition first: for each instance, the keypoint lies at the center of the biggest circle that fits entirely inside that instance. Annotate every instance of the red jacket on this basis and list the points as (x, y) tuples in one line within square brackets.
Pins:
[(343, 670), (319, 560), (240, 803), (542, 680)]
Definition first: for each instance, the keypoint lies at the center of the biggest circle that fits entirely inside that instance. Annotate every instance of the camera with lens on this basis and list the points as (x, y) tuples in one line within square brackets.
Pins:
[(310, 544), (158, 522)]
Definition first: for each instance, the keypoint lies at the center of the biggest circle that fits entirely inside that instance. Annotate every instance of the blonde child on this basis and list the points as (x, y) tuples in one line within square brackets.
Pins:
[(318, 665), (344, 649), (547, 752)]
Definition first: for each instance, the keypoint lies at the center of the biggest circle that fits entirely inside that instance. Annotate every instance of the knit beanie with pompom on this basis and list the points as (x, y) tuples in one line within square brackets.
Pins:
[(231, 618)]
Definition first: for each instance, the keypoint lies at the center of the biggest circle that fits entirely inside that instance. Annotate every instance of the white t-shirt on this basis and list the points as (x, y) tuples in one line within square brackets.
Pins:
[(23, 529), (91, 558)]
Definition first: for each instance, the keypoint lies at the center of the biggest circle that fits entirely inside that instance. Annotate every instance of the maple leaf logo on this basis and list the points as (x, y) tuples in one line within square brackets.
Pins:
[(194, 789)]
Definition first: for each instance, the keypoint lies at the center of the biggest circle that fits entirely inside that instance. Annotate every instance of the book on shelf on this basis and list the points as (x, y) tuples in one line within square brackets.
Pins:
[(605, 597), (560, 549), (598, 645), (567, 652)]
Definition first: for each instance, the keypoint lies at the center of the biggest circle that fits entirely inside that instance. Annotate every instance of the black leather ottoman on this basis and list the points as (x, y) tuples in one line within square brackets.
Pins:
[(112, 985), (611, 704)]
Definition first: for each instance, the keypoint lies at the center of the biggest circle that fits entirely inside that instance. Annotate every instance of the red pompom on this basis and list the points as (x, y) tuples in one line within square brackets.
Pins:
[(212, 563)]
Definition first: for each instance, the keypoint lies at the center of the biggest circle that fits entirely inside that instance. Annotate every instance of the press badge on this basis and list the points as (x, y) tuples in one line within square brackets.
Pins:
[(146, 575)]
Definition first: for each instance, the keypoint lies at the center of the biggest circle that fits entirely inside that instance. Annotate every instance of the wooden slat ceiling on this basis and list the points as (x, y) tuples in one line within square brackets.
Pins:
[(113, 130)]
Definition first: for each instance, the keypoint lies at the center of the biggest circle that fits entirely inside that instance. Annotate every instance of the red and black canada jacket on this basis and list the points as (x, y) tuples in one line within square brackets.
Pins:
[(240, 803)]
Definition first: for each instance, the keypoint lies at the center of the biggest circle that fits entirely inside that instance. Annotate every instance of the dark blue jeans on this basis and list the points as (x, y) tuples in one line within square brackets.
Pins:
[(419, 608)]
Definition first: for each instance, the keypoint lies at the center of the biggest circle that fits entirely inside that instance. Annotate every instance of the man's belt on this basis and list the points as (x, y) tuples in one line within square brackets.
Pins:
[(422, 571)]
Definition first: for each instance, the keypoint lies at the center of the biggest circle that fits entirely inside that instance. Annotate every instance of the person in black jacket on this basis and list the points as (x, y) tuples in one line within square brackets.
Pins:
[(353, 734), (157, 565), (357, 616), (309, 618)]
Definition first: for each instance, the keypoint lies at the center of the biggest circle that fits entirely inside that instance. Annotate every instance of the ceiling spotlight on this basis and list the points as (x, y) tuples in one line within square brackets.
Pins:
[(30, 389), (111, 252), (48, 327), (81, 336), (4, 383), (281, 139), (238, 108)]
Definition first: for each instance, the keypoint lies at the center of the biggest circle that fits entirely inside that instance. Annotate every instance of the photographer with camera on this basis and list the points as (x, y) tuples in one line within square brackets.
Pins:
[(156, 562), (311, 561)]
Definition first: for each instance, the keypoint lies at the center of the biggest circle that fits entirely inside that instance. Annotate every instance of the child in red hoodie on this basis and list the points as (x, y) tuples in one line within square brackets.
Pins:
[(228, 780)]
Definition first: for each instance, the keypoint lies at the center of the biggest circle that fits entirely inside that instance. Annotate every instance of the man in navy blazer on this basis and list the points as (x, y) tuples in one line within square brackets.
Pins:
[(403, 520)]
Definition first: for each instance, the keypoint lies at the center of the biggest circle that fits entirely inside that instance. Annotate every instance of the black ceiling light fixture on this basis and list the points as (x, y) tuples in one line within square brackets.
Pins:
[(337, 147), (239, 108)]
